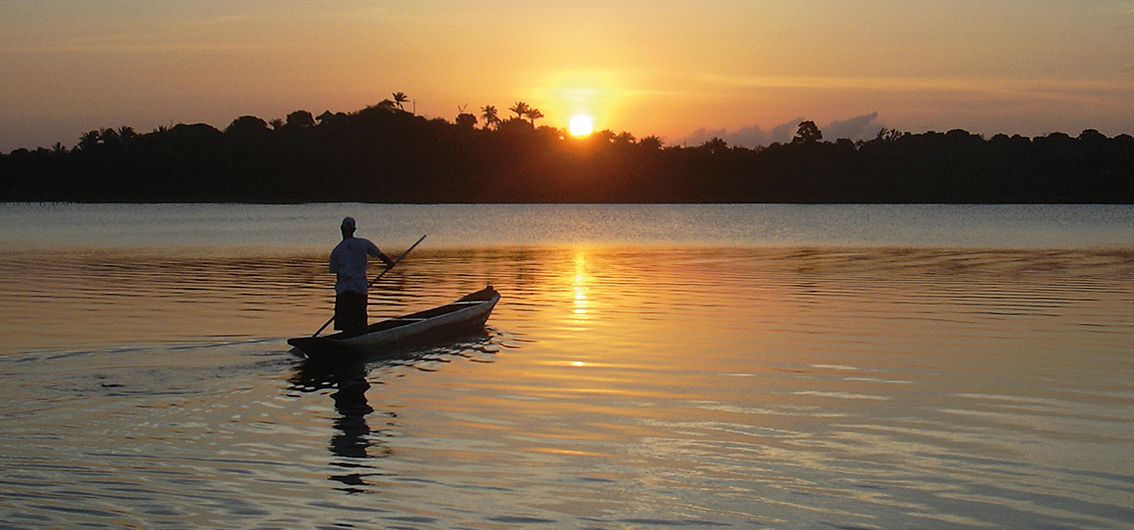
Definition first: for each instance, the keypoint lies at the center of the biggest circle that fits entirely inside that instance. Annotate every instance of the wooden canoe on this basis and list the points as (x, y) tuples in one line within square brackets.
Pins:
[(467, 314)]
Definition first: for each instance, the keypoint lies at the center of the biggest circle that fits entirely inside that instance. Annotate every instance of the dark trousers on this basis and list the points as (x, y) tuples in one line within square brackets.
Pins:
[(350, 311)]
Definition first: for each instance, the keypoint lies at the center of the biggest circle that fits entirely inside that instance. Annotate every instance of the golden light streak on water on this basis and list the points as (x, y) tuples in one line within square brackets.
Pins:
[(580, 285)]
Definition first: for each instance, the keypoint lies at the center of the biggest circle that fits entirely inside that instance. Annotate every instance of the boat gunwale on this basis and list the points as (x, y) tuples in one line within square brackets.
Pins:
[(420, 316)]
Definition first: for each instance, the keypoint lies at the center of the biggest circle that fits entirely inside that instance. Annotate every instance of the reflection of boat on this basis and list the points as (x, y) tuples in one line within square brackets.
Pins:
[(467, 314)]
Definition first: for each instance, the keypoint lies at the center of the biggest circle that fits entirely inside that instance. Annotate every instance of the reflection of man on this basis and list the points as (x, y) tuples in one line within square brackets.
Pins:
[(348, 262), (350, 402), (352, 440)]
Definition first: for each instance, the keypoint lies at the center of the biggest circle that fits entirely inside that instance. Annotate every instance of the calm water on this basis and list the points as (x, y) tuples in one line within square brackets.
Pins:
[(692, 366)]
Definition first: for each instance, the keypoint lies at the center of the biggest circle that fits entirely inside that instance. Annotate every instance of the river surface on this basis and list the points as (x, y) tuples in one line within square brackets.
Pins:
[(783, 366)]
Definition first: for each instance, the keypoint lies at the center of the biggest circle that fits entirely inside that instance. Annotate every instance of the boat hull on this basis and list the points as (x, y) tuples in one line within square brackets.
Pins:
[(466, 315)]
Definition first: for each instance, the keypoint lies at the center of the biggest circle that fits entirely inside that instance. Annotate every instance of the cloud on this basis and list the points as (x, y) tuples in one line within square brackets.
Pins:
[(864, 127), (750, 136)]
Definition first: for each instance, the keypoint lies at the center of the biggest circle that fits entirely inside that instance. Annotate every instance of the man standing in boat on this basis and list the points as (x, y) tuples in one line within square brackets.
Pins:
[(348, 262)]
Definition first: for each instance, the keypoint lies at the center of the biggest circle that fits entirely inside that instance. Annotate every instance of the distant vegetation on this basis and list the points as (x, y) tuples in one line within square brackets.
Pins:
[(384, 153)]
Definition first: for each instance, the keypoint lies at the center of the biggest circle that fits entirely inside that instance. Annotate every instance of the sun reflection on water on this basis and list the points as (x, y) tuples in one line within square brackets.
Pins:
[(579, 286)]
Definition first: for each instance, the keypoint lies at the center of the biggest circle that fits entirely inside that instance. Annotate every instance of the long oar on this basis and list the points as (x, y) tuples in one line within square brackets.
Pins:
[(376, 278)]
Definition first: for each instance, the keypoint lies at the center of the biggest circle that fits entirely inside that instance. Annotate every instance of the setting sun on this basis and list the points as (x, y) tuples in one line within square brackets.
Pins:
[(581, 125)]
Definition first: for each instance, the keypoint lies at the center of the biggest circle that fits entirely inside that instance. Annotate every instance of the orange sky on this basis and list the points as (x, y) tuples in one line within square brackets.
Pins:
[(680, 70)]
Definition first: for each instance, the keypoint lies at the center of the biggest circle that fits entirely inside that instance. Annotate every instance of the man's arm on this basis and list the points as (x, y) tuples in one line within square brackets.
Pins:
[(373, 250)]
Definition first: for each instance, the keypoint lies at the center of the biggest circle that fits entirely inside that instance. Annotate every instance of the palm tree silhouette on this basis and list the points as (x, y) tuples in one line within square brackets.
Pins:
[(109, 136), (399, 99), (490, 115), (127, 133), (533, 115), (88, 140), (520, 108)]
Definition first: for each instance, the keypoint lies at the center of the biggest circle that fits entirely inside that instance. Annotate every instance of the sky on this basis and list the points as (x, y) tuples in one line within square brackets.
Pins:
[(744, 70)]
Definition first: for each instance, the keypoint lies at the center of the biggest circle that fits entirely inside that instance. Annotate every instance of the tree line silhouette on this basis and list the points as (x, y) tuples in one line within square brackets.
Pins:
[(384, 153)]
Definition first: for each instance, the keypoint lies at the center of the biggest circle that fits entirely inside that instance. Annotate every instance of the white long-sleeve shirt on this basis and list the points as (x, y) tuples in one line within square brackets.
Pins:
[(348, 261)]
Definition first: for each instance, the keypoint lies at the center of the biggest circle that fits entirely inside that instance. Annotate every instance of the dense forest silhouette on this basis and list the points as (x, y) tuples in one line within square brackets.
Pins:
[(384, 153)]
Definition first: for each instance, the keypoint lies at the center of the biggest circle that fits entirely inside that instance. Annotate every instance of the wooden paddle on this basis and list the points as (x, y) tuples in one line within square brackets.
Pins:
[(376, 278)]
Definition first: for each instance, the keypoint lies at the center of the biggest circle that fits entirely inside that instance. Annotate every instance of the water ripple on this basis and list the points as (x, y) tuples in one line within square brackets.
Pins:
[(693, 387)]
